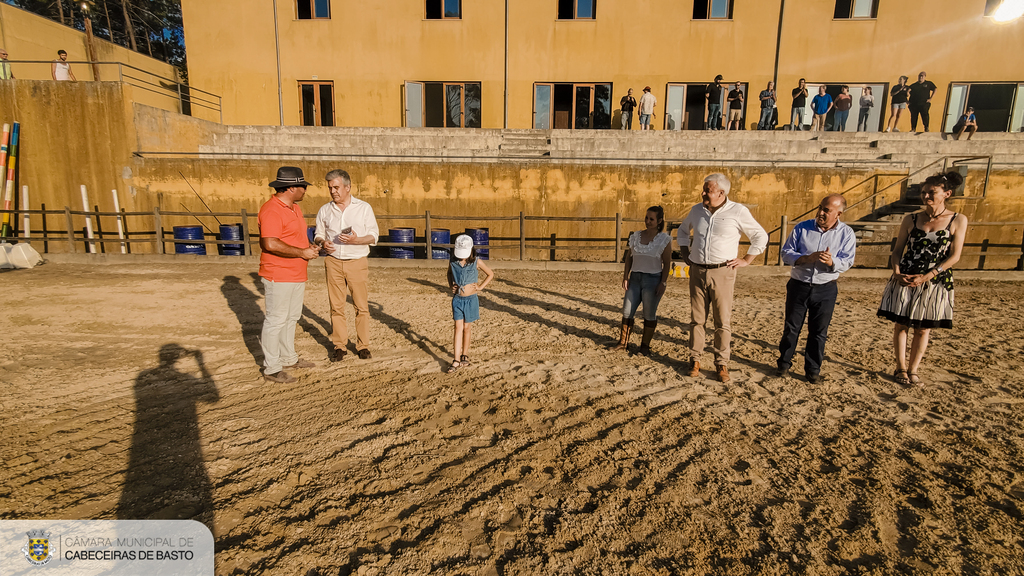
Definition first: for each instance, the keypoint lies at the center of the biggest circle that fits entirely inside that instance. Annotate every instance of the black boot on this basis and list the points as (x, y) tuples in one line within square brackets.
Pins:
[(645, 342)]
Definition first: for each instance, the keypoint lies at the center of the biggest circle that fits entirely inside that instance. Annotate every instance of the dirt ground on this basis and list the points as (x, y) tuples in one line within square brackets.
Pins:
[(133, 391)]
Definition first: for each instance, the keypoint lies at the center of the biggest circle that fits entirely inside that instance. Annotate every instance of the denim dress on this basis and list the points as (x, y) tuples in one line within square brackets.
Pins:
[(464, 307)]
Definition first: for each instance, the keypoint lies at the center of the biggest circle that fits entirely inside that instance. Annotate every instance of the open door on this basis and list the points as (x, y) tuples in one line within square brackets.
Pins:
[(675, 107), (542, 104), (414, 104), (956, 105)]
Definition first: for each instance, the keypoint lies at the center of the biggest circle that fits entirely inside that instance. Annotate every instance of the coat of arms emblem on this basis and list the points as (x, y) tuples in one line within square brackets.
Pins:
[(38, 550)]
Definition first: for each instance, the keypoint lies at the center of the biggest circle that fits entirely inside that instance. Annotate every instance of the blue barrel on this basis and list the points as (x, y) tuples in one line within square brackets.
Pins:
[(405, 236), (480, 238), (440, 236), (189, 233), (311, 234), (231, 232)]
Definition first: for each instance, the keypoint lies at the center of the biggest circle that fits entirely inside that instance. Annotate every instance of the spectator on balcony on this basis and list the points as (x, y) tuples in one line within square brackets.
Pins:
[(60, 69), (900, 95), (820, 105), (796, 121), (5, 66), (843, 104), (968, 122), (713, 94), (735, 108), (867, 102), (920, 100), (647, 103), (628, 103), (768, 98)]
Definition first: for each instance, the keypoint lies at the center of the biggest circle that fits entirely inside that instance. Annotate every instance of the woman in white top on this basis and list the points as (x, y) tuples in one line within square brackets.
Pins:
[(867, 102), (60, 69), (648, 261)]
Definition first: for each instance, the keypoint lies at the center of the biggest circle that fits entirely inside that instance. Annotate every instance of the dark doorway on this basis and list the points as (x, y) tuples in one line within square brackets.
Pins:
[(563, 105), (696, 106), (992, 103)]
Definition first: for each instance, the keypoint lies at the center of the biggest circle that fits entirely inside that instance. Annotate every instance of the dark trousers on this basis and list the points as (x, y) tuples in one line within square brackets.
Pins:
[(921, 109), (815, 302)]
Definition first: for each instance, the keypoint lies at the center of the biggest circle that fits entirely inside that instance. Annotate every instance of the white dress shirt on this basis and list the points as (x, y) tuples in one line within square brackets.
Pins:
[(716, 235), (331, 219)]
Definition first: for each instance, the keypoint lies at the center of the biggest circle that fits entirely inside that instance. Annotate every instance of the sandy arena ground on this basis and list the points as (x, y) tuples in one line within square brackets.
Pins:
[(549, 455)]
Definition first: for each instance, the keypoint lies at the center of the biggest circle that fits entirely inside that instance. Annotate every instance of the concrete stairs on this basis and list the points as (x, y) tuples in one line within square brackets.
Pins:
[(896, 151)]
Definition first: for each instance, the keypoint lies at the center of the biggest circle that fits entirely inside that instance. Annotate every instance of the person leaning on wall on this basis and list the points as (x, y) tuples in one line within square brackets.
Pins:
[(60, 70), (5, 66)]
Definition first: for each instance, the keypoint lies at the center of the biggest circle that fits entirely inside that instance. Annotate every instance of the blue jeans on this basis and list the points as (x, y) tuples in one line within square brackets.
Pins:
[(766, 119), (643, 288), (714, 116), (839, 121)]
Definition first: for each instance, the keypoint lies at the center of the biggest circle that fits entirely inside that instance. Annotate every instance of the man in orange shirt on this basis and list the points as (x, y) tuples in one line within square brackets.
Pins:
[(283, 261)]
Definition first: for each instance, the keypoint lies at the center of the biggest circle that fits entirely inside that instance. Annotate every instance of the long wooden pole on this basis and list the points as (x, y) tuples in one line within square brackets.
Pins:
[(26, 222), (12, 159), (120, 224), (88, 220)]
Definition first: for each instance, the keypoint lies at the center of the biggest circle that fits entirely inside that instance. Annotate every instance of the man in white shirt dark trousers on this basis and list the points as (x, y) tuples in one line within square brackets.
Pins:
[(716, 225), (347, 227), (819, 250)]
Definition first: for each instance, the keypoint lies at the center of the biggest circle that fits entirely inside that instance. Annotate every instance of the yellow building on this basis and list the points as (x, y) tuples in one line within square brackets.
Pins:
[(389, 63)]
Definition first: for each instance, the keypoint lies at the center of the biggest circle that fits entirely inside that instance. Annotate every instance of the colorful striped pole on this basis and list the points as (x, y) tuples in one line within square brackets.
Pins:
[(12, 158), (3, 148)]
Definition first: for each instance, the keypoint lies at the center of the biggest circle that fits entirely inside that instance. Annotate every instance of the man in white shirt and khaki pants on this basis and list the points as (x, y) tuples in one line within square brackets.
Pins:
[(346, 228), (716, 225)]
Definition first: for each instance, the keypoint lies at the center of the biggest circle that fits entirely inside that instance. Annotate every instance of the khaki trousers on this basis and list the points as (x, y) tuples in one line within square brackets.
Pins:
[(346, 277), (711, 289)]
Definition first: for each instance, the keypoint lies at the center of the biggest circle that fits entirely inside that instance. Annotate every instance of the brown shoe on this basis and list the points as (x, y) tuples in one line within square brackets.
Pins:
[(627, 329), (302, 364), (723, 373), (694, 369), (338, 355), (281, 377), (364, 354)]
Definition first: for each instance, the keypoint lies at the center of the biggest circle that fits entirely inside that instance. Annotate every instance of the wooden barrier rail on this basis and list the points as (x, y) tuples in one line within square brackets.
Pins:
[(72, 236)]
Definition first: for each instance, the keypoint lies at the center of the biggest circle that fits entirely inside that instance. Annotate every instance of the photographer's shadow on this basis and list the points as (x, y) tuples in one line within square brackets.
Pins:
[(166, 476)]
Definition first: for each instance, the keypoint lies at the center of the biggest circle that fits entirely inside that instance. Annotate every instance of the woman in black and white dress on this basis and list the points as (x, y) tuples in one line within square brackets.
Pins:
[(919, 294)]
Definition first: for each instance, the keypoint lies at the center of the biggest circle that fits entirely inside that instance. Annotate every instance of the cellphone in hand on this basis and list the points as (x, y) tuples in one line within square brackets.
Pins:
[(347, 230)]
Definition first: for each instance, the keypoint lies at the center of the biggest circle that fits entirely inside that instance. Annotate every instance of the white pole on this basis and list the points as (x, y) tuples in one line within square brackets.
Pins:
[(26, 222), (120, 225), (88, 220)]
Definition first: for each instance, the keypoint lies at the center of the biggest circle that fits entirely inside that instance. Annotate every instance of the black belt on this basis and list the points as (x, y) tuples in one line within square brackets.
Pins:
[(710, 266)]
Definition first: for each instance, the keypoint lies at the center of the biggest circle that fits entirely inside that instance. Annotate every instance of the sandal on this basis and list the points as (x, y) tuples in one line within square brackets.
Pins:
[(915, 379), (464, 361), (901, 377), (455, 365)]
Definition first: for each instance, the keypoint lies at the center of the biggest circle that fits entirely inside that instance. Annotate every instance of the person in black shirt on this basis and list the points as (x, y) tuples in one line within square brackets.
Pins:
[(735, 108), (627, 103), (899, 93), (713, 93), (796, 121), (921, 93)]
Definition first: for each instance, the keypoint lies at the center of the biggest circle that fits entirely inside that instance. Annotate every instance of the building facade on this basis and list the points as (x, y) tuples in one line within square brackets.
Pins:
[(567, 63)]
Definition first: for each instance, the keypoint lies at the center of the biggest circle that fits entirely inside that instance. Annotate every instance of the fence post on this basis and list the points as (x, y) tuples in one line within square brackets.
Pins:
[(618, 236), (1020, 260), (984, 249), (522, 236), (99, 229), (782, 236), (246, 247), (71, 230), (124, 228), (159, 230), (426, 236), (551, 256), (46, 242)]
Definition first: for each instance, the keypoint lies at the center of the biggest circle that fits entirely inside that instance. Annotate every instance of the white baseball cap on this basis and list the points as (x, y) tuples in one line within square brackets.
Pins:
[(463, 246)]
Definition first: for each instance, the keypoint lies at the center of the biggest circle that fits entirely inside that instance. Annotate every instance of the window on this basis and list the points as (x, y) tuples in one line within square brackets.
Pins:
[(444, 9), (576, 9), (316, 103), (856, 9), (578, 106), (314, 9), (712, 9), (442, 104)]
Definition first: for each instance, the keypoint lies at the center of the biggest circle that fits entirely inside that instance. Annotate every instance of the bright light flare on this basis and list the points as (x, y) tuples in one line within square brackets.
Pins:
[(1009, 10)]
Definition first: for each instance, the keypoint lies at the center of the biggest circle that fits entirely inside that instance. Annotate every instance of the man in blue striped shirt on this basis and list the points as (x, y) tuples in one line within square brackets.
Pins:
[(819, 250)]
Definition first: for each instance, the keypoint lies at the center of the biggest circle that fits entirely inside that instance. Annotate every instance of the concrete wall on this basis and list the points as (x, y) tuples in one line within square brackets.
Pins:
[(369, 49)]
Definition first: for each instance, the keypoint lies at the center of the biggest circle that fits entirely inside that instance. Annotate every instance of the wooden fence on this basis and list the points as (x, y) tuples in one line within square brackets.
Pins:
[(74, 238)]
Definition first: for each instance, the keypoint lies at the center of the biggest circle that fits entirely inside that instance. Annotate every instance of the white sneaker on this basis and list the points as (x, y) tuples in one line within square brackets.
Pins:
[(895, 129)]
